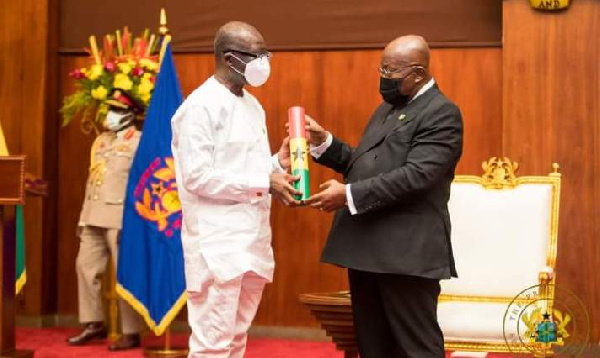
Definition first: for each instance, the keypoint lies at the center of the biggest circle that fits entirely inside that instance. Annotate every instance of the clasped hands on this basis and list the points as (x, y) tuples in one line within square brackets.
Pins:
[(333, 193)]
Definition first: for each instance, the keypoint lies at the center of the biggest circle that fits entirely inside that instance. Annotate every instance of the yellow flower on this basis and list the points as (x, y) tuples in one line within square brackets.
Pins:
[(83, 70), (95, 72), (99, 93), (125, 67), (147, 75), (122, 81), (146, 86), (145, 97), (149, 64)]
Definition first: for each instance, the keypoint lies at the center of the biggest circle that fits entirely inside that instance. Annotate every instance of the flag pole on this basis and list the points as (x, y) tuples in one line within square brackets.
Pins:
[(167, 350), (168, 338), (163, 32), (112, 298)]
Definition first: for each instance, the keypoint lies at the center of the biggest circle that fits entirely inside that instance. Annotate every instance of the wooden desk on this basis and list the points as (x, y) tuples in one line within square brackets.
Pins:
[(12, 193), (334, 313)]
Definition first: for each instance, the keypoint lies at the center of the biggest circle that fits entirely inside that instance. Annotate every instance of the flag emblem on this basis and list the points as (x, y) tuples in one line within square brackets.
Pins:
[(156, 196)]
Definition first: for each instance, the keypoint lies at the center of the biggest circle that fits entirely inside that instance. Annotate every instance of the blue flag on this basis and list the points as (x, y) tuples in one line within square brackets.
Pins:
[(150, 274)]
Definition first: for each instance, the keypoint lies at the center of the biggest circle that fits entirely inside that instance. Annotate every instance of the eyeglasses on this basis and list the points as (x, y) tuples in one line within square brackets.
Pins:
[(390, 72), (266, 54)]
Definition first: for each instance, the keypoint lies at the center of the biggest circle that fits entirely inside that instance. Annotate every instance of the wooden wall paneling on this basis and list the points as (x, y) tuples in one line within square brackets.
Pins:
[(340, 90), (193, 70), (50, 115), (527, 134), (11, 55), (595, 164), (350, 24), (32, 91), (551, 114), (472, 78), (74, 159), (38, 94)]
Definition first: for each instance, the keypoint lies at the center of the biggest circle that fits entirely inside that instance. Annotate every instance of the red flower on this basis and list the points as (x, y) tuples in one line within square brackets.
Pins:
[(77, 74), (110, 67), (138, 71)]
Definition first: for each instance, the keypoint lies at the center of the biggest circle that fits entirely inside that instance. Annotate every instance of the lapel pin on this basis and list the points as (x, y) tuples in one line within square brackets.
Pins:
[(402, 117)]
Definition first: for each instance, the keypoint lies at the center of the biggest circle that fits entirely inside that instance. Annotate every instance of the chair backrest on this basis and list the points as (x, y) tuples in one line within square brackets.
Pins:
[(504, 230)]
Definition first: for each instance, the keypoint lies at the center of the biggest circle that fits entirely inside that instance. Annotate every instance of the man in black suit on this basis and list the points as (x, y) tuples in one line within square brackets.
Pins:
[(392, 227)]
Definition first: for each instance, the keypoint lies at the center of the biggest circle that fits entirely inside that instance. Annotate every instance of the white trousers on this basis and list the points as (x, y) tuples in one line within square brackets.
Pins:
[(220, 316)]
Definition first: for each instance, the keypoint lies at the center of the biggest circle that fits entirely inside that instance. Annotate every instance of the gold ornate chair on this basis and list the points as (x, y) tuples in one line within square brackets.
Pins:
[(504, 236)]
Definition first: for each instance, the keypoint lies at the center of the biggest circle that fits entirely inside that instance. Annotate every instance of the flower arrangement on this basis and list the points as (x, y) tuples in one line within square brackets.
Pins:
[(124, 62)]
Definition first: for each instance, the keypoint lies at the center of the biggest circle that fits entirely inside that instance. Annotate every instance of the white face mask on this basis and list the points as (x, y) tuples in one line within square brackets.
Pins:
[(257, 71), (114, 120)]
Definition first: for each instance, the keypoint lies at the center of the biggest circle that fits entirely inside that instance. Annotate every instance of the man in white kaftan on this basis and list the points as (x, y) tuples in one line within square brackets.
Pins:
[(225, 174)]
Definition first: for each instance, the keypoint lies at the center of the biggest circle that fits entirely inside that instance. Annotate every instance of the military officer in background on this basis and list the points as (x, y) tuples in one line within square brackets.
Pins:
[(101, 219)]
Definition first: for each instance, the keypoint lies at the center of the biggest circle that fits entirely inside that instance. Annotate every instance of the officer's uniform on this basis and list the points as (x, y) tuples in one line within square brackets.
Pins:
[(100, 222)]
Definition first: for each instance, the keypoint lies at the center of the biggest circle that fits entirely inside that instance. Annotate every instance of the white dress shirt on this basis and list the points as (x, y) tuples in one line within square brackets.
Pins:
[(223, 162), (316, 152)]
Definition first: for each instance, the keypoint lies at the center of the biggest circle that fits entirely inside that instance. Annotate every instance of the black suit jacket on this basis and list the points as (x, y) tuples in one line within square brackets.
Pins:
[(400, 177)]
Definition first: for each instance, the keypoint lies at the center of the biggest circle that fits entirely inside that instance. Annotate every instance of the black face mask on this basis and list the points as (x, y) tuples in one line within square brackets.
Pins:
[(389, 88)]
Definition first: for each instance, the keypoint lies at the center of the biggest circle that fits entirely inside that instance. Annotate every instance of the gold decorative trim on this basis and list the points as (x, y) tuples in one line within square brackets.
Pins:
[(499, 347), (499, 173), (486, 299), (88, 126), (157, 327), (555, 5), (21, 281)]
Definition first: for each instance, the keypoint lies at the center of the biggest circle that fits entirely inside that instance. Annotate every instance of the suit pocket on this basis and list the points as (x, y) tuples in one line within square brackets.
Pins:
[(119, 163)]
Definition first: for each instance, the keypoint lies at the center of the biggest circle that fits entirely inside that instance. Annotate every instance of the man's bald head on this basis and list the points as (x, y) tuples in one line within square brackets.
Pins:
[(237, 35), (405, 61), (408, 50), (236, 44)]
